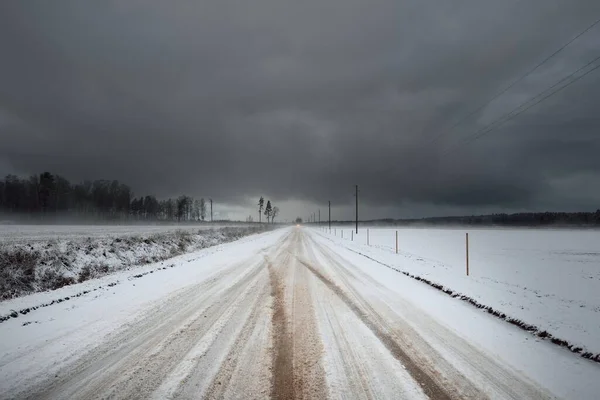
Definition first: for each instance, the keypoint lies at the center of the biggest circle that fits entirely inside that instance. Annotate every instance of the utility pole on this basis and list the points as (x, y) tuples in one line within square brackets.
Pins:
[(211, 214), (329, 215), (356, 208)]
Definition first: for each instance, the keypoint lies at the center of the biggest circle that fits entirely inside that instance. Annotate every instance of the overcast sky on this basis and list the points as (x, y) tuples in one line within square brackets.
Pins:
[(300, 100)]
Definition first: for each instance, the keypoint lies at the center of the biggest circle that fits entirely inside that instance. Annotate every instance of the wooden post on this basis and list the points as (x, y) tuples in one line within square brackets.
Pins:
[(467, 243), (396, 242)]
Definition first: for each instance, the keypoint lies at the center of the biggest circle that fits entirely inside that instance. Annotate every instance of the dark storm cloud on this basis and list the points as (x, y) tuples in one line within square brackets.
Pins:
[(300, 100)]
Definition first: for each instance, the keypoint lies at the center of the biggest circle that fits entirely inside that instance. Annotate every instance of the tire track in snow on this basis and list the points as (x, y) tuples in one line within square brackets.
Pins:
[(283, 370), (217, 366), (430, 386), (309, 376), (297, 369), (205, 371), (358, 365), (249, 352), (153, 347), (150, 370), (397, 334)]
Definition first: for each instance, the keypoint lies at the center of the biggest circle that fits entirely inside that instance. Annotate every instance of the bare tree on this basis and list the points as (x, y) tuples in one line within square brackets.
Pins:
[(274, 213)]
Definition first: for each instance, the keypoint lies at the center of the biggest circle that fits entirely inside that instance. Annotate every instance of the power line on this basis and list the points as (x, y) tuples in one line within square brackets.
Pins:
[(516, 112), (540, 100), (442, 133)]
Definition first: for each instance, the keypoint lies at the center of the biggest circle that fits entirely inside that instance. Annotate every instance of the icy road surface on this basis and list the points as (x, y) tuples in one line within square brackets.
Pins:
[(286, 315)]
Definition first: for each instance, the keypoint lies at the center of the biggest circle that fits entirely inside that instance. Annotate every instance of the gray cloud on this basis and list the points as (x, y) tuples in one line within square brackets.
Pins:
[(298, 101)]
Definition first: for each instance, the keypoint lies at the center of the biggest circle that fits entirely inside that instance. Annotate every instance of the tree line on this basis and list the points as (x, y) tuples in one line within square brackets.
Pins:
[(49, 194), (517, 219)]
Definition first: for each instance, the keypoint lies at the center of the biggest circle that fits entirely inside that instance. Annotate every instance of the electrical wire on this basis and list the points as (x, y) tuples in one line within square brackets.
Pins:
[(442, 133), (520, 110)]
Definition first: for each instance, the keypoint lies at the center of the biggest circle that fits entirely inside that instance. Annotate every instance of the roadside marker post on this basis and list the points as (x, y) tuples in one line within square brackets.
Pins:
[(342, 233), (396, 242), (467, 248), (352, 236), (367, 237)]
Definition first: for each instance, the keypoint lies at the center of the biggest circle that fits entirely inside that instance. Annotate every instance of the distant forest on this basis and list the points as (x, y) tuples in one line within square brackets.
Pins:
[(48, 196), (519, 219)]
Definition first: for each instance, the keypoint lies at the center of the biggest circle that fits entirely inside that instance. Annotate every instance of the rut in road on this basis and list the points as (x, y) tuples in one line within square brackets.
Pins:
[(437, 378), (297, 349), (430, 386)]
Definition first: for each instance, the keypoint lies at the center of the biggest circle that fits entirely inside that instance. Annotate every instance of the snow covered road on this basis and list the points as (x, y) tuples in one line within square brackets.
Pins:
[(286, 314)]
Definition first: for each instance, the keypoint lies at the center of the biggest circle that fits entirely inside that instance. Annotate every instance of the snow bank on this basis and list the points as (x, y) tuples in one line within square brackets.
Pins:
[(32, 266)]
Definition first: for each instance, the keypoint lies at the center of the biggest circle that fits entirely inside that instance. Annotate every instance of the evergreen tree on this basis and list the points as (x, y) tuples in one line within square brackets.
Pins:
[(268, 210), (261, 205)]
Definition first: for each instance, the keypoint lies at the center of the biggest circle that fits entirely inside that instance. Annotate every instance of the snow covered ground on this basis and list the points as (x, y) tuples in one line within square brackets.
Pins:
[(60, 256), (16, 233), (288, 314), (547, 278)]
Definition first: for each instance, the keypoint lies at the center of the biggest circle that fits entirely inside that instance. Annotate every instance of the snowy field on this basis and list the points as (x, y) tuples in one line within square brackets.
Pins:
[(38, 258), (548, 278), (292, 313), (31, 233)]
